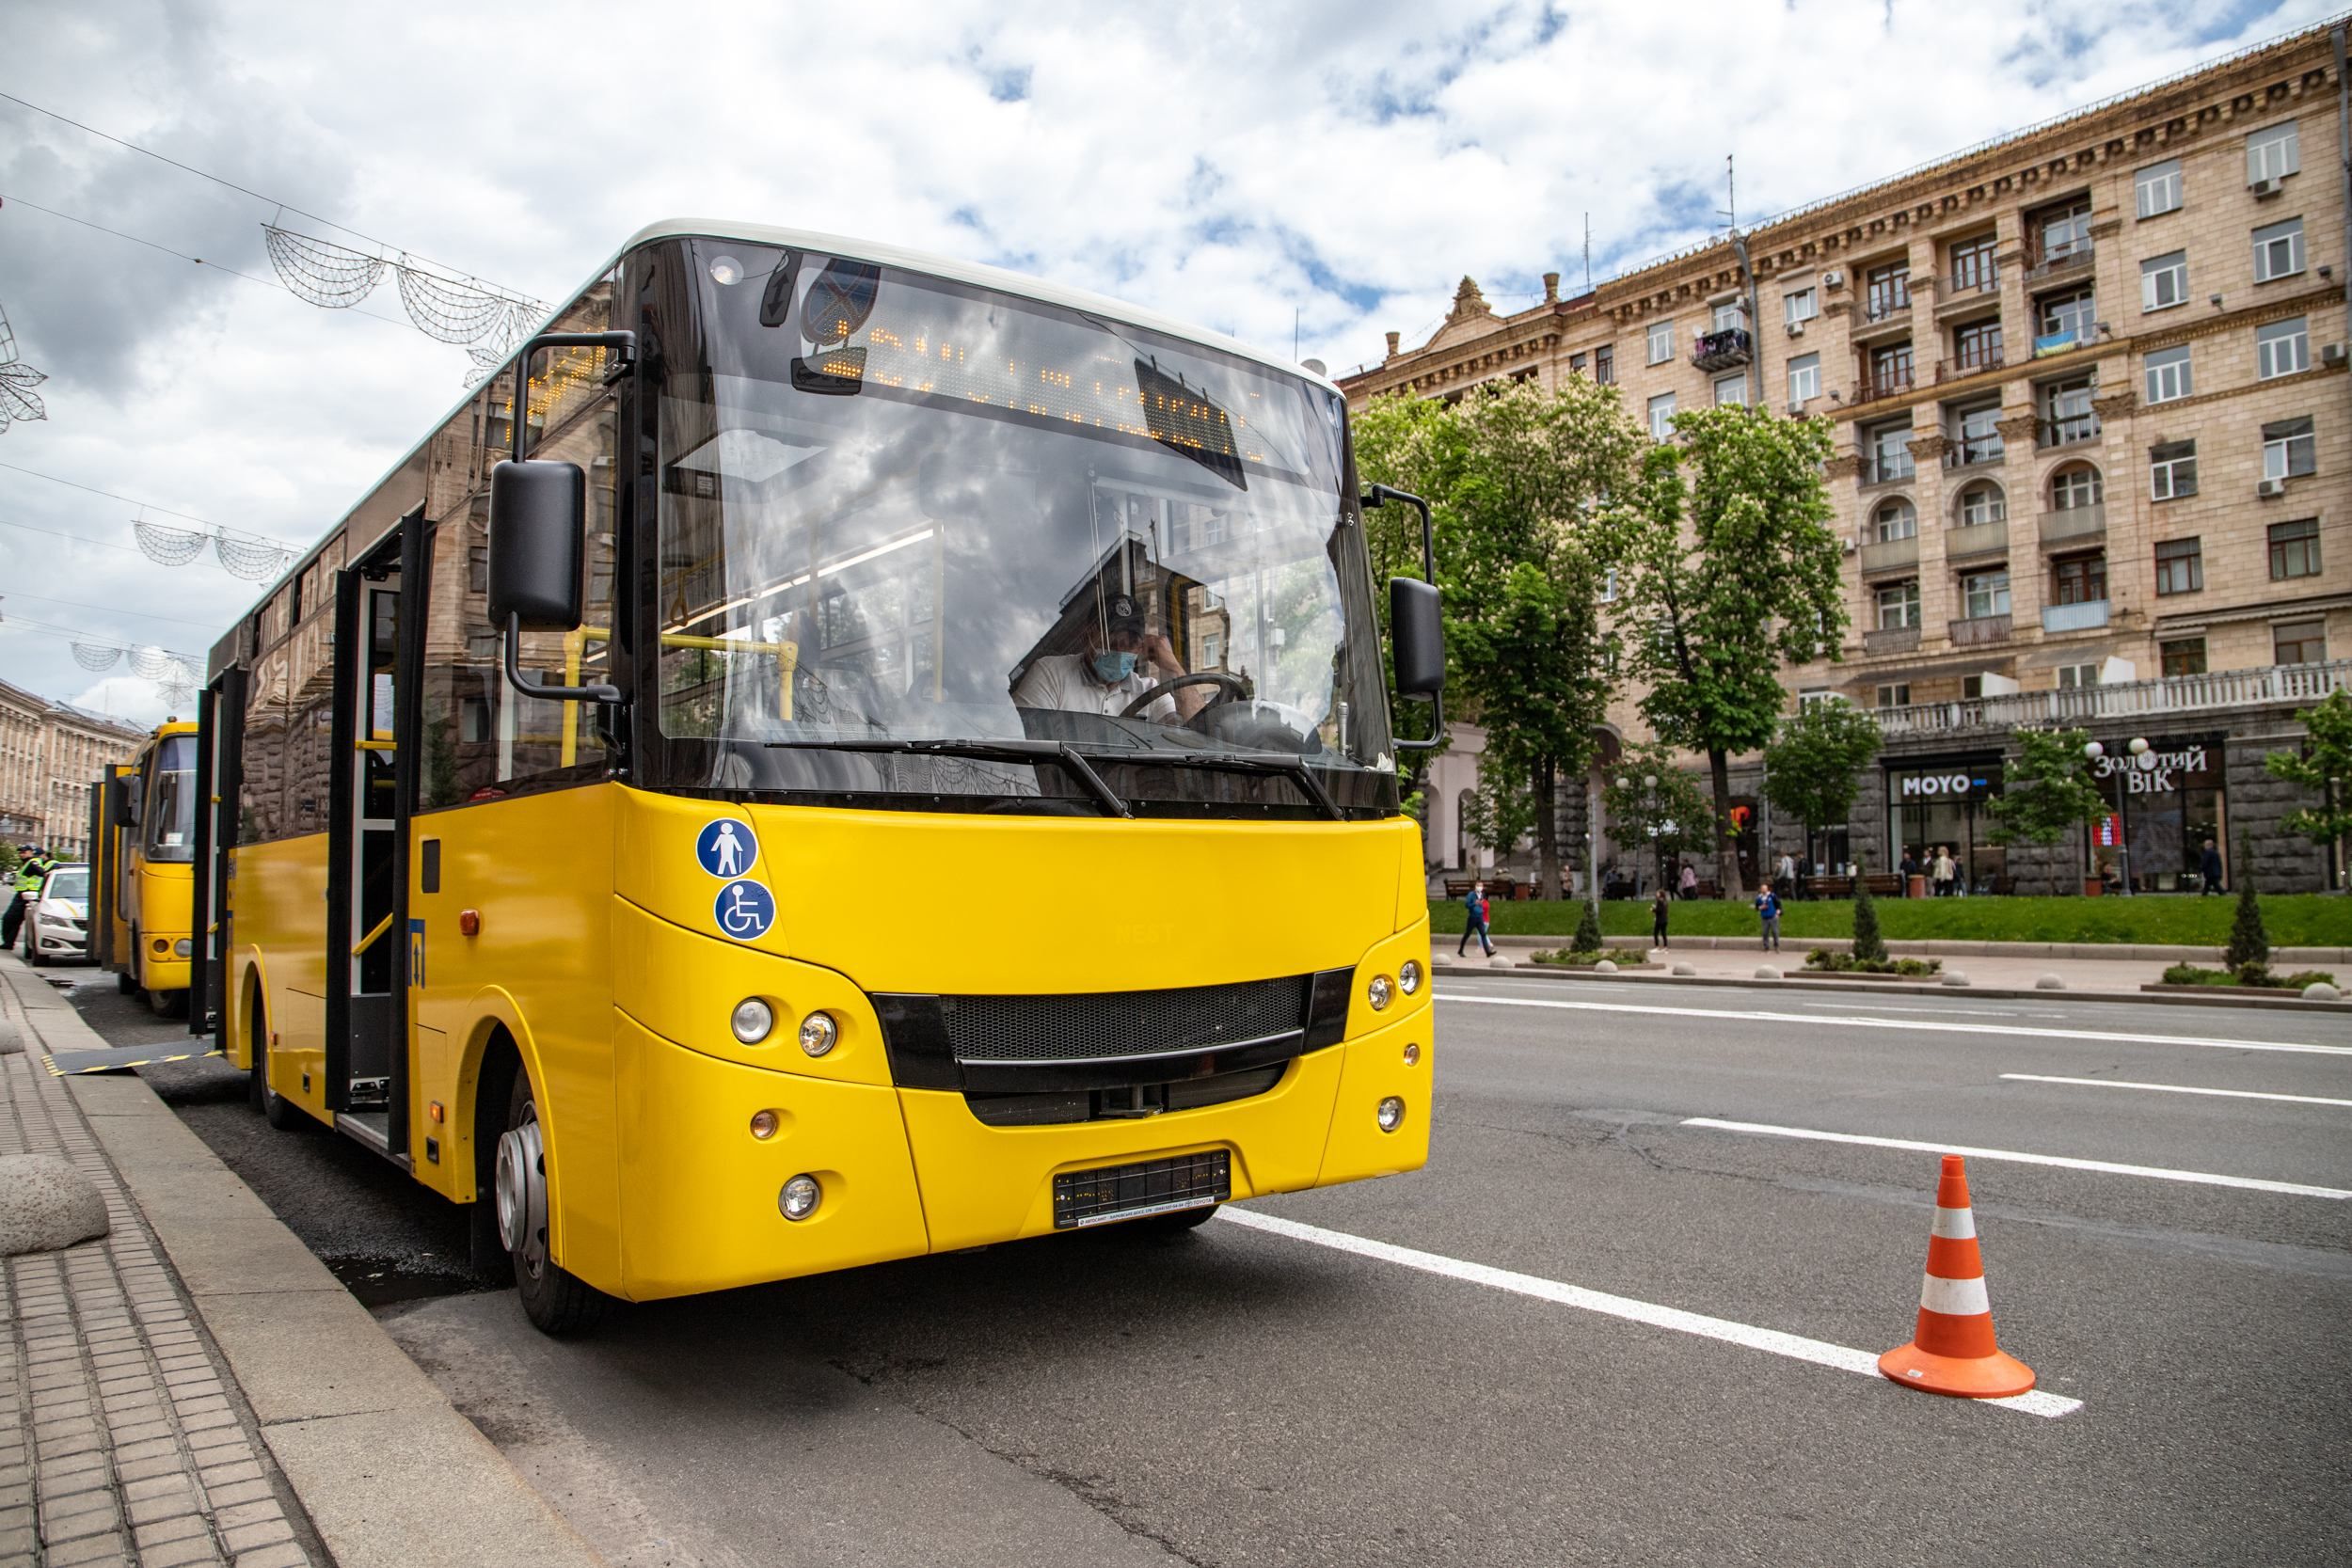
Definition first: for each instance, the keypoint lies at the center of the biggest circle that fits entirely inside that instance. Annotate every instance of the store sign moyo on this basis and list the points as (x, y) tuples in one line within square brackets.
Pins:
[(2149, 772), (1936, 786)]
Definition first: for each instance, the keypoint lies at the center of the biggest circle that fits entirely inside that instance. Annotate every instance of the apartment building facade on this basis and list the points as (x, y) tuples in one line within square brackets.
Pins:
[(50, 753), (2094, 433)]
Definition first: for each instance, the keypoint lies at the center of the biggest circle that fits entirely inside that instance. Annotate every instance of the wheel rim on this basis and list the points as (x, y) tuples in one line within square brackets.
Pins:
[(522, 1192)]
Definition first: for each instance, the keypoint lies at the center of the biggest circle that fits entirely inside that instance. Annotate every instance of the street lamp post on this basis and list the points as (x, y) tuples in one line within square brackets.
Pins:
[(2136, 748)]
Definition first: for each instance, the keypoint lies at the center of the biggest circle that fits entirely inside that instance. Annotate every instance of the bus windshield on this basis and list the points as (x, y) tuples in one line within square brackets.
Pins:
[(915, 536), (169, 824)]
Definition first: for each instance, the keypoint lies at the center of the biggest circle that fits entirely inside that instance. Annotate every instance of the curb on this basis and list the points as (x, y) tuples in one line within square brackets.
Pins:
[(2118, 952), (1896, 988), (389, 1473)]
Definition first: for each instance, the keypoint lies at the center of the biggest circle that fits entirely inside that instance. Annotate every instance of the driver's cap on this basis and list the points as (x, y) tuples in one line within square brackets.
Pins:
[(1124, 613)]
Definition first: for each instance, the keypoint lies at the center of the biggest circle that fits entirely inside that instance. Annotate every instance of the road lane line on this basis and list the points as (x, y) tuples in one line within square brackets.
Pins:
[(1911, 1024), (1771, 1341), (2174, 1088), (2160, 1172)]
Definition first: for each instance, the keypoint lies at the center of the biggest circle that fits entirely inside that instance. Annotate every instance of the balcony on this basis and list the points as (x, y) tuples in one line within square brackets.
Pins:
[(1974, 451), (2284, 687), (1893, 469), (1884, 381), (1980, 362), (2067, 430), (1983, 539), (2073, 525), (1890, 555), (1974, 631), (1971, 290), (1721, 351), (2086, 616), (2062, 258), (1891, 639), (1885, 302)]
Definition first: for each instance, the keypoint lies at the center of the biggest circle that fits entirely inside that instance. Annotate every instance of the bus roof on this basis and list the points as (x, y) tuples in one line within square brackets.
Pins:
[(224, 651)]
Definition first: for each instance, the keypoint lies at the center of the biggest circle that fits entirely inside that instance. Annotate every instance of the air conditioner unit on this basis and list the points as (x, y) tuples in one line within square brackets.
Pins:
[(1796, 406), (2271, 488), (2332, 355), (1852, 543), (1832, 280), (1796, 329), (2262, 188)]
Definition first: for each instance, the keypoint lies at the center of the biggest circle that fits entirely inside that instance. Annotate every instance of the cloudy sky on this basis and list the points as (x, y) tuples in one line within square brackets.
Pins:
[(1336, 163)]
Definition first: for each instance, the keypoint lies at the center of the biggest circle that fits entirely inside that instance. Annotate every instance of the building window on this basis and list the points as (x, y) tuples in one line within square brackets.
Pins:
[(1973, 265), (478, 570), (1980, 504), (2172, 470), (2183, 656), (2074, 487), (2164, 282), (481, 647), (1899, 606), (1804, 378), (1731, 390), (2273, 153), (1977, 346), (1887, 290), (2278, 250), (1895, 694), (2067, 415), (1984, 593), (1888, 447), (2157, 188), (2295, 549), (1661, 341), (1605, 365), (2282, 348), (1890, 370), (2073, 677), (1802, 305), (2288, 450), (1609, 586), (2064, 231), (1817, 698), (1662, 416), (1731, 317), (1895, 519), (2299, 642), (2169, 376), (1575, 364), (1212, 651), (2080, 578), (2066, 319), (1979, 432), (2180, 566)]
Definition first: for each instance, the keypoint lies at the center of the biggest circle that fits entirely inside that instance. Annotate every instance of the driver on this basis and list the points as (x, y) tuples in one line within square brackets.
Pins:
[(1121, 662)]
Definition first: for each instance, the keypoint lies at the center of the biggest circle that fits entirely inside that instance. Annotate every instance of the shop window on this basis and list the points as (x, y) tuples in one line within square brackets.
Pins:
[(2183, 655), (2172, 470), (2295, 549), (2079, 580), (2299, 642), (2180, 566)]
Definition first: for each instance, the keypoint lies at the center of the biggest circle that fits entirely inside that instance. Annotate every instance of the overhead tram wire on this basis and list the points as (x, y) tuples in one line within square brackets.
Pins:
[(116, 609), (144, 506)]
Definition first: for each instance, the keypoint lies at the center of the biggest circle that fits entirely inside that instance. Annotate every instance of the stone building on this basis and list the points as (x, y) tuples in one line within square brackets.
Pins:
[(2093, 456), (50, 754)]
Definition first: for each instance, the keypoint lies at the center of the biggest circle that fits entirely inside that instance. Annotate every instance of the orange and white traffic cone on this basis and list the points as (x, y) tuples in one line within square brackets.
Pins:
[(1952, 1350)]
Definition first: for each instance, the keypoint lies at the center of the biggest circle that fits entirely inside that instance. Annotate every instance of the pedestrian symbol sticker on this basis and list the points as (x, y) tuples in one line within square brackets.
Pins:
[(744, 910), (726, 847)]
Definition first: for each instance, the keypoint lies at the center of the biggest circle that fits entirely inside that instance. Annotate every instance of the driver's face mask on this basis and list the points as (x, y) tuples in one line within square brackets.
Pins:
[(1112, 666)]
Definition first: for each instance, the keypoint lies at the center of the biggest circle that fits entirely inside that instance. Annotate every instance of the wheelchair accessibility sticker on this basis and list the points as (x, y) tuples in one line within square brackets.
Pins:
[(726, 847), (745, 909)]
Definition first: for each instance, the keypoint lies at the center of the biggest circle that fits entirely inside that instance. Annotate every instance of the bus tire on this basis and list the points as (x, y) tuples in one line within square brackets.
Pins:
[(167, 1003), (557, 1302), (125, 984), (276, 1108)]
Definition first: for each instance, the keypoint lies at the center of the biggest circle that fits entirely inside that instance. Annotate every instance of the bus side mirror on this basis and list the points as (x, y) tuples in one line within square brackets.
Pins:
[(1417, 631), (539, 525)]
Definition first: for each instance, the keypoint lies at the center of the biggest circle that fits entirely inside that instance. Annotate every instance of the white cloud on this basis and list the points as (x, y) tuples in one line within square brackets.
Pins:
[(1340, 163)]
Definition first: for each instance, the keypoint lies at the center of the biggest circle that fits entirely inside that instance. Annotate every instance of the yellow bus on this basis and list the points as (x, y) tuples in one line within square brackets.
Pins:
[(832, 754), (143, 822)]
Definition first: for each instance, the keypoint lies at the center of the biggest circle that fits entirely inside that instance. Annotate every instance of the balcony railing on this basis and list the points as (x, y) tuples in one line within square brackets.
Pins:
[(1985, 280), (1885, 381), (1887, 470), (1977, 539), (1971, 452), (1974, 632), (1891, 639), (2059, 257), (1888, 554), (1723, 351), (2072, 525), (2290, 685), (1974, 363), (2074, 617), (2067, 430), (1883, 303)]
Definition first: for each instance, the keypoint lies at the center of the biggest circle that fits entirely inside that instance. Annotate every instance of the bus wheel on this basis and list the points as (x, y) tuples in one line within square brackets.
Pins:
[(167, 1003), (556, 1302), (125, 984), (281, 1112)]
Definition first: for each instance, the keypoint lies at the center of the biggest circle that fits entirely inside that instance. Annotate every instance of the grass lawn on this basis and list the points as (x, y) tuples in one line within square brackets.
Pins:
[(2294, 920)]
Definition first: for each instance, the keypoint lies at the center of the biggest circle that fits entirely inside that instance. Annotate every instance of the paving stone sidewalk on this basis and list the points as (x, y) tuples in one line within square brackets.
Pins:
[(124, 1440)]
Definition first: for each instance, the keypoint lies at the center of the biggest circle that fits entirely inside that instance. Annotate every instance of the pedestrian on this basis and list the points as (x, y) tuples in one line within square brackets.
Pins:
[(1943, 871), (1659, 903), (1910, 869), (1475, 902), (31, 866), (1786, 881), (1768, 910), (1689, 881), (2209, 868)]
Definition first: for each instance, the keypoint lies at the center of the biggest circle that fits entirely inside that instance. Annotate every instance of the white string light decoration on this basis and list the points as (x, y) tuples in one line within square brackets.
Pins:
[(95, 657), (170, 546), (459, 310), (18, 399)]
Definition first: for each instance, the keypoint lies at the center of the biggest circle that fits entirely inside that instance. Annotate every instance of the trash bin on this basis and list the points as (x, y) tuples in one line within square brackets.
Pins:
[(1919, 888)]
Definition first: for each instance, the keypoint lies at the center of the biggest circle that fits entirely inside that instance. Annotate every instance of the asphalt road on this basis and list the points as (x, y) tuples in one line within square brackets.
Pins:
[(1245, 1397)]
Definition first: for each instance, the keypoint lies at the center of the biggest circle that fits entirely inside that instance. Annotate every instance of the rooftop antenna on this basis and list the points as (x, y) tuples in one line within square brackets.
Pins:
[(1730, 211), (1294, 332), (1588, 253)]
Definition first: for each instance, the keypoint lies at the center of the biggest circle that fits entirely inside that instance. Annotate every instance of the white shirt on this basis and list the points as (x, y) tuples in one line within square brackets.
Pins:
[(1061, 681)]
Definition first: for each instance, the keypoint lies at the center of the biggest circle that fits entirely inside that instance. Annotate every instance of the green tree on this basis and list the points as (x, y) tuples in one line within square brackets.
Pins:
[(1649, 800), (1588, 938), (1414, 445), (1498, 812), (8, 869), (1867, 944), (1734, 572), (2046, 789), (2249, 941), (1813, 768), (2324, 767)]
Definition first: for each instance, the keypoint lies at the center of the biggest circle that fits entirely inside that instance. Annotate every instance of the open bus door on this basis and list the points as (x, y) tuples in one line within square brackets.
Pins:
[(109, 934), (367, 879), (220, 742)]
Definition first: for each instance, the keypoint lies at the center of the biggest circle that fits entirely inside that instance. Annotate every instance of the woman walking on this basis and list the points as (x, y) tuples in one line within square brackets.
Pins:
[(1659, 903)]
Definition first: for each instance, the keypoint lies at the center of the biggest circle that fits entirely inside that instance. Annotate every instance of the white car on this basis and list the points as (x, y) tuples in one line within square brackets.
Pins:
[(57, 927)]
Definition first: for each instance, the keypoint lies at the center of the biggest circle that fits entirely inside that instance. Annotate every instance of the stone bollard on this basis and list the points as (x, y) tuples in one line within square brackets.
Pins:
[(2049, 982), (2320, 991), (1954, 977), (1605, 966), (1686, 970), (45, 1204), (1768, 973), (10, 1045), (1498, 961)]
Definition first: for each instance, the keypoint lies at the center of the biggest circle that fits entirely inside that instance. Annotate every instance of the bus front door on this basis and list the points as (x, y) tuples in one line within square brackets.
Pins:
[(219, 747)]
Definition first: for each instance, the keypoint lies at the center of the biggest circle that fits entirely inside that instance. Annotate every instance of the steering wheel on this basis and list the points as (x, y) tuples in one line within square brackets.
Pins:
[(1229, 689)]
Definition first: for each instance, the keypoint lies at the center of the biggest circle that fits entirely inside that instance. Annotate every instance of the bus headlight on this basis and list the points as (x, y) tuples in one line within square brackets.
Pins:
[(181, 948), (1391, 1113), (819, 1033), (799, 1198), (1408, 975), (752, 1021), (1380, 992)]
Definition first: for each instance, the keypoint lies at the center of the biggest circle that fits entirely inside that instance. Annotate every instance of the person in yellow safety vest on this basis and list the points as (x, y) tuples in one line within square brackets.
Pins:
[(32, 865)]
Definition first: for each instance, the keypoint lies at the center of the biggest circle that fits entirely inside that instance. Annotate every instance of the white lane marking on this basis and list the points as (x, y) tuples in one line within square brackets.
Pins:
[(2160, 1172), (1919, 1022), (1772, 1340), (2174, 1088)]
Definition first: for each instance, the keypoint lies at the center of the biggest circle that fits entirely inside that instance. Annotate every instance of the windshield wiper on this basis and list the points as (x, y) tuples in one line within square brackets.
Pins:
[(1293, 769), (1061, 752)]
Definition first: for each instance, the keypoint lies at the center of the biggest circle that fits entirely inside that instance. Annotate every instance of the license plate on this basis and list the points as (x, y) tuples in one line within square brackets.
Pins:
[(1084, 1197)]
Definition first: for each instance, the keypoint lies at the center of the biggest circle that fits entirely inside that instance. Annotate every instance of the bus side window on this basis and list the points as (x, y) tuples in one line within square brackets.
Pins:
[(261, 781)]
